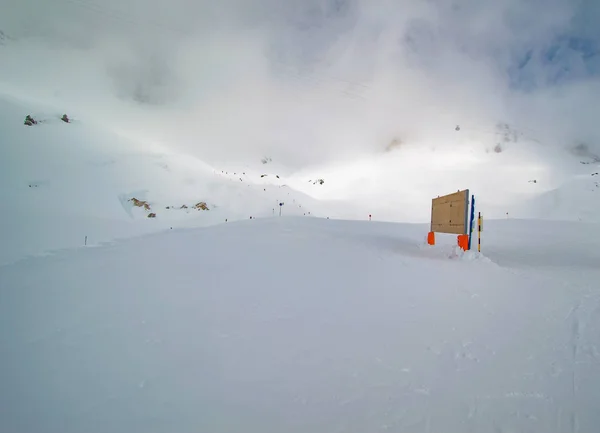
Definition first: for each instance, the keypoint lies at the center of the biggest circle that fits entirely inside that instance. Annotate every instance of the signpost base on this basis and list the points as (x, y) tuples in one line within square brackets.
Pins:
[(431, 238), (463, 242)]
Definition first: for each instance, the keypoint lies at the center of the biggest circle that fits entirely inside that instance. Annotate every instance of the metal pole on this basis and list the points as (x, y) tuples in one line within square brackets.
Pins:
[(479, 232)]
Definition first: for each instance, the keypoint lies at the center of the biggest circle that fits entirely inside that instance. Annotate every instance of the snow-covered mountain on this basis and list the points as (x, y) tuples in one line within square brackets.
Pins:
[(63, 182), (67, 184)]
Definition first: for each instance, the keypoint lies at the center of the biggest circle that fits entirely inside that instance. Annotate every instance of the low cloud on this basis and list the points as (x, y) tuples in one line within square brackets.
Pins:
[(315, 80)]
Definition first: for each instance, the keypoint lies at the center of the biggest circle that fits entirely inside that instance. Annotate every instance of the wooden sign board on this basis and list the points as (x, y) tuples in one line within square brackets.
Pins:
[(449, 213)]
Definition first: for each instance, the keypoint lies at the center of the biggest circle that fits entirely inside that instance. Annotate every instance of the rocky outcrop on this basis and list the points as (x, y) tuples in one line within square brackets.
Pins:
[(30, 121), (201, 205), (140, 203), (506, 133)]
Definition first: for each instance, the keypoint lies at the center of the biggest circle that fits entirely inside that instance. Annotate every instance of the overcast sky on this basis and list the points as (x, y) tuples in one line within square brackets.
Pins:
[(314, 79)]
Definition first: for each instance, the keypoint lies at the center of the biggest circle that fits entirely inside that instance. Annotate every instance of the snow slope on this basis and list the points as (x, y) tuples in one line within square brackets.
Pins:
[(65, 182), (306, 325), (576, 199), (526, 180), (62, 182)]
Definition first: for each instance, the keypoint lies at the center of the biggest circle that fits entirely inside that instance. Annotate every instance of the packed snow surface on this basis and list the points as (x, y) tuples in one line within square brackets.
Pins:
[(304, 325)]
